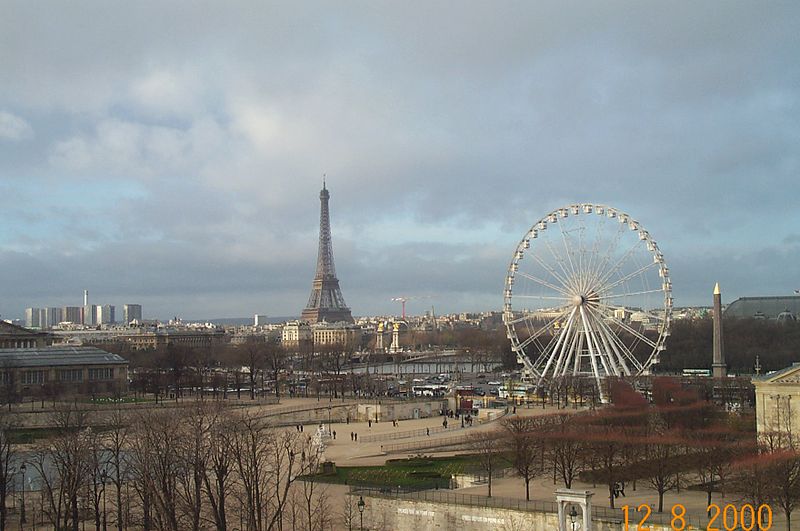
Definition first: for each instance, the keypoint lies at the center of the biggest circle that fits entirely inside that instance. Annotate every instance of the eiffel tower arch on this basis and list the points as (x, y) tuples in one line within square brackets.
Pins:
[(326, 302)]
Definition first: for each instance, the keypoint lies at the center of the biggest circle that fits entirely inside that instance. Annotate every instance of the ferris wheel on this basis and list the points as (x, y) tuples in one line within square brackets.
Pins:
[(587, 294)]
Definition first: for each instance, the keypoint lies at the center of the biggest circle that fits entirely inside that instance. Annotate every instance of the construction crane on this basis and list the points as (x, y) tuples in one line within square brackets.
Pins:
[(404, 299)]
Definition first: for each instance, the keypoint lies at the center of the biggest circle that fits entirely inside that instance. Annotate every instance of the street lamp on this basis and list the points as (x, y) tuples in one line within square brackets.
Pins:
[(573, 514), (361, 505), (329, 422), (103, 477), (22, 508)]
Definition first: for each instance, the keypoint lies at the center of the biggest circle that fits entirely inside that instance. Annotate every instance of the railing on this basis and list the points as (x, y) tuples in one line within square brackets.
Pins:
[(411, 433), (473, 500), (453, 426), (441, 443), (454, 498)]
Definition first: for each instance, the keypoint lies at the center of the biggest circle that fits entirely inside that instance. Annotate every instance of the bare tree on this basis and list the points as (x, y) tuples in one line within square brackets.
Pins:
[(96, 475), (249, 440), (63, 465), (488, 446), (116, 441), (192, 461), (565, 447), (526, 445), (217, 476), (784, 471), (349, 512), (155, 460), (275, 361), (8, 457)]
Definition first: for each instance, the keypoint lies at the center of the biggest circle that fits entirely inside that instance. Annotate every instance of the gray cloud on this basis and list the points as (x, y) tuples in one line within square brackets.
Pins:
[(179, 148)]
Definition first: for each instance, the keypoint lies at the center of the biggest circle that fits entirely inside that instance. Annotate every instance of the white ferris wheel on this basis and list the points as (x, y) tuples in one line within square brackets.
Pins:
[(587, 294)]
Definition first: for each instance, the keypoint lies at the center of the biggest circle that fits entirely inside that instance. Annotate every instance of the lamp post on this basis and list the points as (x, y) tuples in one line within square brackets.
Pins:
[(361, 505), (22, 508), (573, 514), (330, 433), (103, 477)]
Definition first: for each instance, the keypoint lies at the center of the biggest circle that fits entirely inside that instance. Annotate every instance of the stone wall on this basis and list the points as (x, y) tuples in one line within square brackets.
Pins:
[(388, 411), (397, 514)]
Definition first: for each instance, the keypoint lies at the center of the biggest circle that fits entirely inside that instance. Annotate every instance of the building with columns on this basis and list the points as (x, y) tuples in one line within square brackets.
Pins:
[(777, 402), (13, 336)]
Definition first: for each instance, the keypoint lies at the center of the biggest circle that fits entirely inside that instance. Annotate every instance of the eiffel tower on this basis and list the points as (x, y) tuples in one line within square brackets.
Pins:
[(326, 303)]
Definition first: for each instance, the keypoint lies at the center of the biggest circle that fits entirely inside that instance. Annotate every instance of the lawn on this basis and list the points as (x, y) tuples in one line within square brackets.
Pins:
[(420, 472)]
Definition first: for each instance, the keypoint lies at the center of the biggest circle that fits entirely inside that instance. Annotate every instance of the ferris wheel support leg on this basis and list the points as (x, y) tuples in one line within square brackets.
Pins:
[(610, 338), (559, 347), (577, 352), (592, 356)]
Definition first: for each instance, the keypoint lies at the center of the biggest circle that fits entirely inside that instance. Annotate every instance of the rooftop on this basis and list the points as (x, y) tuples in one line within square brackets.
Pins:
[(763, 307), (58, 356)]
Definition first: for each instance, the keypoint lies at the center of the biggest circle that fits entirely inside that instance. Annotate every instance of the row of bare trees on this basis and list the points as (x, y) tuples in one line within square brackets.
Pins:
[(201, 467), (676, 443)]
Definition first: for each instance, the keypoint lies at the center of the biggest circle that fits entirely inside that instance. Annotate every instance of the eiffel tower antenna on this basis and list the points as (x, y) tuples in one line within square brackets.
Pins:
[(326, 302)]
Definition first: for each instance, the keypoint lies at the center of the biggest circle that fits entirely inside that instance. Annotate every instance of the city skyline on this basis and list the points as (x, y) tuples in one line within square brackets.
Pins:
[(177, 164)]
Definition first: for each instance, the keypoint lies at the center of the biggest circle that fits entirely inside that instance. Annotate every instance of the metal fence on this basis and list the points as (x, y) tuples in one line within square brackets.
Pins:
[(411, 433), (454, 426), (472, 500), (441, 443)]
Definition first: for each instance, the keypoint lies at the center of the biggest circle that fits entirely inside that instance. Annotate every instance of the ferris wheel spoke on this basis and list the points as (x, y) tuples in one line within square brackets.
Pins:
[(594, 257), (601, 353), (543, 297), (541, 330), (561, 338), (570, 277), (619, 295), (589, 345), (616, 344), (526, 317), (546, 350), (627, 277), (576, 352), (566, 248), (618, 264), (564, 280), (543, 283), (602, 264), (624, 309), (632, 331)]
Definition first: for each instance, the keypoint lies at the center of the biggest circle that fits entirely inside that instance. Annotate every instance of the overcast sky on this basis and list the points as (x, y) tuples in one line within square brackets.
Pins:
[(171, 153)]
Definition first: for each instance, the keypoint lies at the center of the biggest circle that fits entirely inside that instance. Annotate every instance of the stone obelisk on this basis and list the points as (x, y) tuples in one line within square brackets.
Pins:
[(718, 367)]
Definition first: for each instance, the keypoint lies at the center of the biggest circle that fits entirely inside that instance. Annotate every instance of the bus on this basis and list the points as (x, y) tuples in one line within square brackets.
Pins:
[(696, 372), (519, 390), (429, 390)]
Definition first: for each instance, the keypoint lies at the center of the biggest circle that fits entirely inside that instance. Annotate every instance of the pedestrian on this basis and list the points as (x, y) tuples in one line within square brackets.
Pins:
[(356, 437), (369, 423), (334, 435), (427, 431), (302, 428), (352, 438)]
